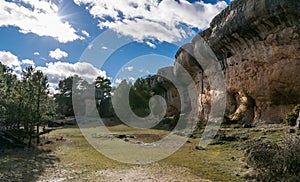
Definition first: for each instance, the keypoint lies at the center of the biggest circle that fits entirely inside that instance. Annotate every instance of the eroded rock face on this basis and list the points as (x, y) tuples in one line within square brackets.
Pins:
[(257, 44), (186, 74), (169, 91)]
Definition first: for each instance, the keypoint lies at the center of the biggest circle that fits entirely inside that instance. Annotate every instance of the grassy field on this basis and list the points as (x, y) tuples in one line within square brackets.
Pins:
[(68, 156)]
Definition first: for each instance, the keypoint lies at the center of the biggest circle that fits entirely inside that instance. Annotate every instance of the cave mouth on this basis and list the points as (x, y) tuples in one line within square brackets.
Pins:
[(229, 55), (239, 108)]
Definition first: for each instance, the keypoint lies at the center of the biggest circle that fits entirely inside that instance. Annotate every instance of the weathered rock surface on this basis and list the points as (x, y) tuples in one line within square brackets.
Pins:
[(257, 44), (169, 91)]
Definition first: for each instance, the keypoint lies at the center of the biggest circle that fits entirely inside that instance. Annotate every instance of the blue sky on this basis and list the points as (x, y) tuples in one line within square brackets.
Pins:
[(99, 37)]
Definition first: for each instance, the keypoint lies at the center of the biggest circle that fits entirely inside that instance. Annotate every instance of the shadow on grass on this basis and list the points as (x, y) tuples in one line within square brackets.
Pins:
[(18, 164)]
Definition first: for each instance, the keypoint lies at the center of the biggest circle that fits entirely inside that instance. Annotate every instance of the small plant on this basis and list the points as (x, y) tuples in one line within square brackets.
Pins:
[(296, 108), (274, 163), (291, 117)]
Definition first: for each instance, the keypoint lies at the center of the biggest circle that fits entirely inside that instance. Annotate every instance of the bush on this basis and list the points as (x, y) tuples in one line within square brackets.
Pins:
[(291, 117), (296, 109), (274, 163), (292, 156)]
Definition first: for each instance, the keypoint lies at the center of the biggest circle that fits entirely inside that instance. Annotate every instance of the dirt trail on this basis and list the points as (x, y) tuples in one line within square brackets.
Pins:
[(143, 173), (82, 169)]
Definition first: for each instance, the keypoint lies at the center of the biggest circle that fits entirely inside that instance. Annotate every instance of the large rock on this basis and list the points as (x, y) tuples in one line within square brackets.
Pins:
[(169, 91), (257, 44)]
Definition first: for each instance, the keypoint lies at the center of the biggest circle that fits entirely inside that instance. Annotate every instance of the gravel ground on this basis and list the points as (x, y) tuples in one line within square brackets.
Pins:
[(142, 173)]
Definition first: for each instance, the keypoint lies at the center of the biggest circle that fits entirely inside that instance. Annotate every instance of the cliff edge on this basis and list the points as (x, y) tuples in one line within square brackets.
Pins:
[(257, 44)]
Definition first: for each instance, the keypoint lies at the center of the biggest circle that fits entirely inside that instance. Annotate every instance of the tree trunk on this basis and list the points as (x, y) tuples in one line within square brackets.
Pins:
[(38, 133), (30, 137)]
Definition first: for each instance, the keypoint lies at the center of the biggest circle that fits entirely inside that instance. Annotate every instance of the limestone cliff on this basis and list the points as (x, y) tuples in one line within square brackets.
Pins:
[(257, 44)]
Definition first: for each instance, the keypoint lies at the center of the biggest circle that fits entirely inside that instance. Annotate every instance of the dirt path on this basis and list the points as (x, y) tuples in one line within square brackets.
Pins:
[(77, 170), (142, 173)]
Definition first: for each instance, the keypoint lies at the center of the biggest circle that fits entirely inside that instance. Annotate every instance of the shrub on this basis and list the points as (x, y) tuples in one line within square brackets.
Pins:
[(296, 109), (274, 163), (291, 117), (292, 156)]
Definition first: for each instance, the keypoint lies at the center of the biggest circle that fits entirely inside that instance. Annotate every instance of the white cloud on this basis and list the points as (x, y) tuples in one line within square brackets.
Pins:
[(165, 20), (85, 33), (129, 68), (27, 62), (150, 44), (58, 54), (118, 81), (104, 47), (90, 46), (10, 60), (57, 71), (132, 79), (37, 16), (36, 53), (144, 71)]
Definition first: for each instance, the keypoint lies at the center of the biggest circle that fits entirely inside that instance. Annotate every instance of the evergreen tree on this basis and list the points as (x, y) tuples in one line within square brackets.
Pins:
[(64, 97), (103, 91)]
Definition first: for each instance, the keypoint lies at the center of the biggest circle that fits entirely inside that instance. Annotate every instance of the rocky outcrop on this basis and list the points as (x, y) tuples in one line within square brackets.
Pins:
[(169, 91), (257, 44)]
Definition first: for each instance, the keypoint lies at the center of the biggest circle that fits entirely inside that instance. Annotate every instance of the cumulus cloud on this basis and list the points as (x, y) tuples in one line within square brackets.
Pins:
[(37, 16), (27, 62), (118, 81), (162, 20), (36, 53), (57, 71), (10, 60), (58, 54)]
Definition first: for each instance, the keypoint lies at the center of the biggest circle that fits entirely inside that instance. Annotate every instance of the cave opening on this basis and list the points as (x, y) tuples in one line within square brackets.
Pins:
[(229, 54)]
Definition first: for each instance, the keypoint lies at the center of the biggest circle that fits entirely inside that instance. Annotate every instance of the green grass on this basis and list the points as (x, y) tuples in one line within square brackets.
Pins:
[(77, 151), (213, 163), (220, 162)]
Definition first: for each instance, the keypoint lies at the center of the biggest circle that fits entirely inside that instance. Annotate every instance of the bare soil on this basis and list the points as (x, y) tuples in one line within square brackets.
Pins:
[(143, 173)]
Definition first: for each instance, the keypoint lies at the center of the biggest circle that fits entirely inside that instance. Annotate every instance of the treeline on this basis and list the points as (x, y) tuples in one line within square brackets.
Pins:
[(26, 104), (140, 93), (101, 86)]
